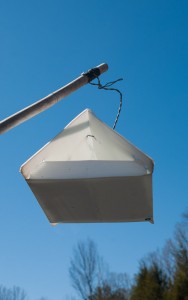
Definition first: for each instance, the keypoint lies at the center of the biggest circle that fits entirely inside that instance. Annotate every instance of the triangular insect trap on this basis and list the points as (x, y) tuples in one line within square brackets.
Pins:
[(89, 173)]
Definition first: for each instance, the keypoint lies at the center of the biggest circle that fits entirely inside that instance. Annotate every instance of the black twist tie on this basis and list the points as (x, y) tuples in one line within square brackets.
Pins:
[(92, 74), (108, 87)]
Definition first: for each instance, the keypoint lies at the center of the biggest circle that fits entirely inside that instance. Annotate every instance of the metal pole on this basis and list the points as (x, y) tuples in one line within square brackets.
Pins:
[(51, 99)]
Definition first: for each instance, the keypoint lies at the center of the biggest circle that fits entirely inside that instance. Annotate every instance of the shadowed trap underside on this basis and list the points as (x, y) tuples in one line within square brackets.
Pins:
[(89, 173)]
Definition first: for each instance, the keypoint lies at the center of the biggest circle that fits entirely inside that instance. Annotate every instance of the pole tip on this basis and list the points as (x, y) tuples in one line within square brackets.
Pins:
[(103, 68)]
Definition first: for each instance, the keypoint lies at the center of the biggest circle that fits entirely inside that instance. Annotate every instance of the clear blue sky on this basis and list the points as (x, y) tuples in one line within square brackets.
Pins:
[(43, 46)]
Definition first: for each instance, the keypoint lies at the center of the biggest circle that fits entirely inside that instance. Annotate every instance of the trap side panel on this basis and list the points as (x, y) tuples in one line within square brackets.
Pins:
[(121, 199)]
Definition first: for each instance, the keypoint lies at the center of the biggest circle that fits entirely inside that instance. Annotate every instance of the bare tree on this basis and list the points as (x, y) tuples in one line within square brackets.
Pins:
[(116, 286), (18, 294), (15, 293), (119, 282), (85, 269), (91, 278), (5, 293)]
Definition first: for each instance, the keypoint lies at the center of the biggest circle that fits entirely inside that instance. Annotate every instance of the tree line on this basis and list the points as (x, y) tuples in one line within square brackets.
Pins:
[(14, 293), (162, 275)]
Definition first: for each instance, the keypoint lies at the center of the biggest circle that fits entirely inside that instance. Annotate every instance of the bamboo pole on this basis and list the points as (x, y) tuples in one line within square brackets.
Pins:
[(51, 99)]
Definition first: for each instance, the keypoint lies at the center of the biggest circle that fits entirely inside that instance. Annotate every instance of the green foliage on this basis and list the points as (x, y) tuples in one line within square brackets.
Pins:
[(180, 287), (165, 277), (150, 283)]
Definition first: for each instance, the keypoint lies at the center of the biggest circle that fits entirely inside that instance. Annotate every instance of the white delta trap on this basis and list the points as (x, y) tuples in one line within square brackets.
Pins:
[(89, 173)]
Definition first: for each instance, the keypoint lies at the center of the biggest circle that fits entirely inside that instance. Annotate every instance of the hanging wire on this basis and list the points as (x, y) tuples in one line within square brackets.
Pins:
[(108, 87)]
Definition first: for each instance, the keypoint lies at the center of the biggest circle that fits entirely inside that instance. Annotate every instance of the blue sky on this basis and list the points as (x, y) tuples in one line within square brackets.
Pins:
[(45, 45)]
